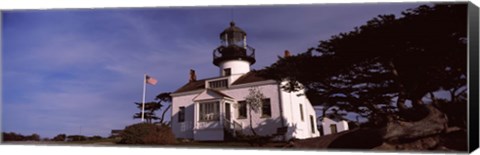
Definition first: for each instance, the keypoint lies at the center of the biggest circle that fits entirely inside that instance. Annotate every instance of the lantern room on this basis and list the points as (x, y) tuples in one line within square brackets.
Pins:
[(234, 52)]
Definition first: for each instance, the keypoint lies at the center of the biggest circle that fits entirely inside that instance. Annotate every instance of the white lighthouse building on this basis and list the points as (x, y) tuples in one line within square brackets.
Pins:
[(213, 109)]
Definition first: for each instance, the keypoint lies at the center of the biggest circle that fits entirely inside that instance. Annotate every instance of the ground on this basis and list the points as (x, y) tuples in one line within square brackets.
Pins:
[(111, 142), (355, 139)]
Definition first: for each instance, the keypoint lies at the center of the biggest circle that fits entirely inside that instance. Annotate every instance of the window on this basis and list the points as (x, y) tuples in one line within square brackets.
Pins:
[(227, 72), (312, 124), (333, 128), (218, 84), (181, 114), (301, 112), (209, 111), (266, 108), (242, 109)]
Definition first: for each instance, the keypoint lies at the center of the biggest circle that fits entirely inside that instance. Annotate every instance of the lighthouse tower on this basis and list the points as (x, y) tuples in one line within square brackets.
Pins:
[(233, 56)]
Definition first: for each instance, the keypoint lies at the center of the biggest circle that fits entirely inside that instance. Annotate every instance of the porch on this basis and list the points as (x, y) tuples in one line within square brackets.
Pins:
[(213, 116)]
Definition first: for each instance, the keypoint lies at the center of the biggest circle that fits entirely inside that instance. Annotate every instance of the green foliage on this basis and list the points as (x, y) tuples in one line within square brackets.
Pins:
[(151, 107), (60, 137), (254, 100), (364, 70), (149, 111), (11, 136), (252, 140), (146, 133), (33, 137), (96, 137), (74, 138)]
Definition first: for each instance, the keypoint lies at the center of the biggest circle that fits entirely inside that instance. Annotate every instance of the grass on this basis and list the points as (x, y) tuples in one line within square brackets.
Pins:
[(229, 144), (112, 142), (105, 141)]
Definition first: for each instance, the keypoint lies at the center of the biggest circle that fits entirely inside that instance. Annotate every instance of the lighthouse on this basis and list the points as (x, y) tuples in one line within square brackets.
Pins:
[(233, 56), (215, 108)]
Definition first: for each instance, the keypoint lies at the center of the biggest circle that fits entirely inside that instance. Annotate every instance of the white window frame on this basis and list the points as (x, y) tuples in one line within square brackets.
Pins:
[(264, 101), (209, 111)]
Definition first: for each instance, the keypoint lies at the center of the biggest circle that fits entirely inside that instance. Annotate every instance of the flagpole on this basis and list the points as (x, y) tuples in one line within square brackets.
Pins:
[(143, 97)]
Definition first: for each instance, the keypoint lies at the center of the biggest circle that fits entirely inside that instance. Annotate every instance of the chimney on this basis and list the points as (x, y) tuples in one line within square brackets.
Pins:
[(193, 77), (286, 54)]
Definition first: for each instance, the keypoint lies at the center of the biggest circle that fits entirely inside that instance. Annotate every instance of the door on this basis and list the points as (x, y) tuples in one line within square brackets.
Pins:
[(227, 111), (333, 128)]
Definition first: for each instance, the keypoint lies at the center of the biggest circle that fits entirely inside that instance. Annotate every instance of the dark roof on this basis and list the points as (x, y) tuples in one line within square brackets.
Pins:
[(219, 93), (192, 85), (336, 117), (250, 77), (232, 29)]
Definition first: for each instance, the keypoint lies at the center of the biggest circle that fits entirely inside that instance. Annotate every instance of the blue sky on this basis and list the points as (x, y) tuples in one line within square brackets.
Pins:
[(78, 71)]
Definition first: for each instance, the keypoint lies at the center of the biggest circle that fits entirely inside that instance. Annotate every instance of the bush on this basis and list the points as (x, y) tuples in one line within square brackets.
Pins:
[(145, 133), (33, 137), (60, 137), (258, 140), (19, 137), (74, 138), (11, 136), (96, 137)]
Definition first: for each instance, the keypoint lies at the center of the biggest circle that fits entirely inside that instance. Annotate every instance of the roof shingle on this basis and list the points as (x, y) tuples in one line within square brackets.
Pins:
[(192, 85), (250, 77)]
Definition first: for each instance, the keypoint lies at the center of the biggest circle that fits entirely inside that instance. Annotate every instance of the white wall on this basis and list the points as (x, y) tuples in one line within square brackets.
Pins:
[(208, 130), (301, 129), (208, 135), (263, 126), (341, 126), (183, 129), (236, 66)]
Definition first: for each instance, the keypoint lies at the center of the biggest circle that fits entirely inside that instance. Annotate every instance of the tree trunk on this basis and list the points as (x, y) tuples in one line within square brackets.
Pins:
[(165, 111), (401, 88), (401, 101), (251, 124)]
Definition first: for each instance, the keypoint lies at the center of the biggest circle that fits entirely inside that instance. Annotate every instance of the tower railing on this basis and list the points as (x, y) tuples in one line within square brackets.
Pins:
[(233, 52)]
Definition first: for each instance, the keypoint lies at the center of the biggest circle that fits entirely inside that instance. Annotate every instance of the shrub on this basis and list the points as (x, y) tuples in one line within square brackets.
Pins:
[(33, 137), (253, 140), (96, 137), (60, 137), (11, 136), (19, 137), (73, 138), (145, 133)]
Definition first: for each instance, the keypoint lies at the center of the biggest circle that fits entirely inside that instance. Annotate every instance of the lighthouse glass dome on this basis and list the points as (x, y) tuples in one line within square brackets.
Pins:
[(233, 36), (233, 47)]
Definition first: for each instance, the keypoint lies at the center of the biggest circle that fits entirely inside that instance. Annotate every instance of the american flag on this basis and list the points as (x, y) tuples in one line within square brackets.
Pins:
[(151, 80)]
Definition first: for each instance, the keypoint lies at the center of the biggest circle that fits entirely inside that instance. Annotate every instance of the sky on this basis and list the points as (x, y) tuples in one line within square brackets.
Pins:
[(79, 71)]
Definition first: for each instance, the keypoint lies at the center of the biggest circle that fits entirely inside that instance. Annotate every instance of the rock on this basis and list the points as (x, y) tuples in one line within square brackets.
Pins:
[(455, 140), (358, 138), (428, 133), (427, 143), (400, 131)]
